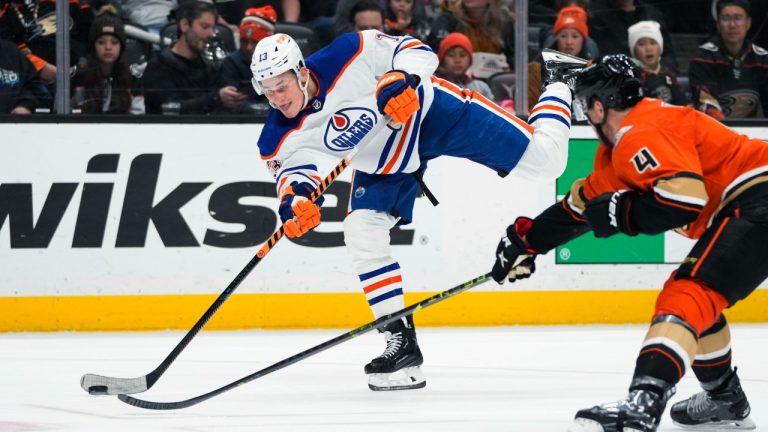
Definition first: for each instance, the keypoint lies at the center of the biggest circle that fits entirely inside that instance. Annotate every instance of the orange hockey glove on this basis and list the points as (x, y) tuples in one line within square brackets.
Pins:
[(298, 213), (306, 216), (396, 95)]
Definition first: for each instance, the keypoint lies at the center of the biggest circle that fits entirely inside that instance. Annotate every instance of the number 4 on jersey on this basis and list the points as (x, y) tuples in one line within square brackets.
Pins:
[(644, 159)]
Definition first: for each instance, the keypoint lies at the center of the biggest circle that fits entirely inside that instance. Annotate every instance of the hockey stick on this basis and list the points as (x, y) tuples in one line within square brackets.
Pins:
[(104, 385), (130, 400)]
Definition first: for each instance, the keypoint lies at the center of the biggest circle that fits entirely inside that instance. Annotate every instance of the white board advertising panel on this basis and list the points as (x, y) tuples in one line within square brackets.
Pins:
[(92, 209)]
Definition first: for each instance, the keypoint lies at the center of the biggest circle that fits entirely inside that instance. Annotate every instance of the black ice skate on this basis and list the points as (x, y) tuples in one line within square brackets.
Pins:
[(560, 67), (640, 412), (398, 367), (721, 406)]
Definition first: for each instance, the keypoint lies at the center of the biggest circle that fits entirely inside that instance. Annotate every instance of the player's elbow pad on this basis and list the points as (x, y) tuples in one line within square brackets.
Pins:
[(650, 214)]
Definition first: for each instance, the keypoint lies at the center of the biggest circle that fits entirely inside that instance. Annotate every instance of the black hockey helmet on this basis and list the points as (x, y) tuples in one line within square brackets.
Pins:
[(612, 80)]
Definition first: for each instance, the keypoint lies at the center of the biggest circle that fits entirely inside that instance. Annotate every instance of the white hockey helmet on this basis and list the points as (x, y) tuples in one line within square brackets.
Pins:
[(274, 55)]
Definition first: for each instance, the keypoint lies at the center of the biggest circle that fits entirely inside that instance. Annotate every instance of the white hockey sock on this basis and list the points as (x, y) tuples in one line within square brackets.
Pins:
[(383, 288)]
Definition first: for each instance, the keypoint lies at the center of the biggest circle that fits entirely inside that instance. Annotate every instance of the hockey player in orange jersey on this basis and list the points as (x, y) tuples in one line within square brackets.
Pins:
[(660, 167)]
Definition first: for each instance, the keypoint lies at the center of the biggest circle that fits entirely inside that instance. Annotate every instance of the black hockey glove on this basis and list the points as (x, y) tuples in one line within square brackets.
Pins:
[(514, 258), (608, 214)]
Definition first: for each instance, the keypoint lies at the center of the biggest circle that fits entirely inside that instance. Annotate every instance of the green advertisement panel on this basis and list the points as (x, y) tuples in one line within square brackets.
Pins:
[(587, 249)]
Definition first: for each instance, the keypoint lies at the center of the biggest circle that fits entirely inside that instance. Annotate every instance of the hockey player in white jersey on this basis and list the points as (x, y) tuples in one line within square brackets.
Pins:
[(330, 101)]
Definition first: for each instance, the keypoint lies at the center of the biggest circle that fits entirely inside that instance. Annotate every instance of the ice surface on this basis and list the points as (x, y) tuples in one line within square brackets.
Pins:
[(527, 379)]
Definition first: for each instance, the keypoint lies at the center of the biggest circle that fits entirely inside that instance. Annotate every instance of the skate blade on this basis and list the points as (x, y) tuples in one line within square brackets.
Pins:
[(405, 379), (585, 425), (550, 55), (721, 426)]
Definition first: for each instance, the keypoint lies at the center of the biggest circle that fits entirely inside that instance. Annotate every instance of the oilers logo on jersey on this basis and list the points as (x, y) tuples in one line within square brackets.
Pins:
[(347, 127)]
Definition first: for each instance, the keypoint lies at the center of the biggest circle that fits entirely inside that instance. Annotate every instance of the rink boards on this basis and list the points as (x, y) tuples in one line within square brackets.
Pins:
[(127, 227)]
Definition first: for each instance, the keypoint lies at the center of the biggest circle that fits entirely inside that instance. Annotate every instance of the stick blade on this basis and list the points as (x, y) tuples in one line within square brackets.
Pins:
[(102, 385)]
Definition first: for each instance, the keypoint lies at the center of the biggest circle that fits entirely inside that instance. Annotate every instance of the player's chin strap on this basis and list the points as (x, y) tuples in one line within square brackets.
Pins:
[(304, 88)]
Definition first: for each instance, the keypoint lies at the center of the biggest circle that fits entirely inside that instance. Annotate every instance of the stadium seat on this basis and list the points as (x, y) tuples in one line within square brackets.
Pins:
[(502, 85), (685, 46), (304, 36), (685, 83)]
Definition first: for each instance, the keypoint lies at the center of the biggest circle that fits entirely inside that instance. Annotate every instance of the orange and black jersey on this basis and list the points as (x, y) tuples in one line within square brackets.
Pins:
[(686, 159), (679, 160)]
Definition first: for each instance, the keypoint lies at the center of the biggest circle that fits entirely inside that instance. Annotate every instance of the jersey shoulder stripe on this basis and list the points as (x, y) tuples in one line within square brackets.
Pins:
[(410, 42), (551, 107), (330, 62), (276, 129)]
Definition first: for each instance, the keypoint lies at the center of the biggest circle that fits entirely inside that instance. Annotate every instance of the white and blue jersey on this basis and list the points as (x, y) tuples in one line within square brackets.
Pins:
[(344, 109), (451, 121)]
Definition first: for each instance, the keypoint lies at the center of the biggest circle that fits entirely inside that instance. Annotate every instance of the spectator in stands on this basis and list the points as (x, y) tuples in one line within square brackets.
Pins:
[(344, 7), (103, 83), (571, 34), (19, 82), (729, 74), (488, 26), (455, 55), (432, 8), (179, 80), (32, 26), (367, 15), (403, 19), (150, 14), (234, 80), (611, 20), (646, 44), (547, 36)]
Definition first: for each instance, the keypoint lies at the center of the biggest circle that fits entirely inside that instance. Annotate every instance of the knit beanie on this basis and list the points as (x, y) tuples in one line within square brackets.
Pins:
[(453, 40), (572, 17), (258, 23), (107, 24), (645, 29)]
